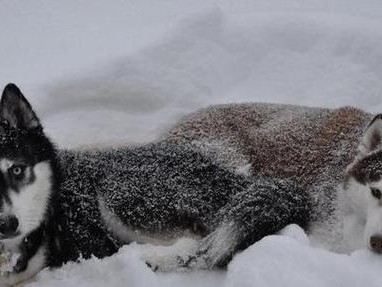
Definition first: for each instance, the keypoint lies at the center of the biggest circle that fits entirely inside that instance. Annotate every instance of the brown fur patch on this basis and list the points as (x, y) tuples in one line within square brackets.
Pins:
[(286, 141)]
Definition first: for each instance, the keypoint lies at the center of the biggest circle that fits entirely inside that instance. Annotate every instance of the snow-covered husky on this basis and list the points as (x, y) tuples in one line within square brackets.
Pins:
[(58, 206), (335, 155)]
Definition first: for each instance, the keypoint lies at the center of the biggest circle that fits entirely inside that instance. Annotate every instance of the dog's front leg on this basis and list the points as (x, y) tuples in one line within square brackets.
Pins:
[(31, 258)]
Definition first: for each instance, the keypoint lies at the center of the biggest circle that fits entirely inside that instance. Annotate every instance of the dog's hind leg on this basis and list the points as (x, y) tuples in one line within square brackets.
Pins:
[(204, 254), (267, 206)]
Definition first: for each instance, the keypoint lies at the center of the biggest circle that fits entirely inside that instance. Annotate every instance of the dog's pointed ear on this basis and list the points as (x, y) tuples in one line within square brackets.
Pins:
[(372, 137), (16, 110)]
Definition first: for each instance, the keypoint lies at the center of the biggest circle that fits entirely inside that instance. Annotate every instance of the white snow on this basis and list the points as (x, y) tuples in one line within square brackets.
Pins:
[(111, 72)]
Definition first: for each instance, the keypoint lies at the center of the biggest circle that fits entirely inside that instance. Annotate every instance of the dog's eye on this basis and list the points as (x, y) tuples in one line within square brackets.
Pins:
[(17, 171), (376, 192)]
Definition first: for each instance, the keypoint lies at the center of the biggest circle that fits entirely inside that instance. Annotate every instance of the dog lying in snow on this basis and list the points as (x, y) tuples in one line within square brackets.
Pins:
[(59, 205), (335, 155)]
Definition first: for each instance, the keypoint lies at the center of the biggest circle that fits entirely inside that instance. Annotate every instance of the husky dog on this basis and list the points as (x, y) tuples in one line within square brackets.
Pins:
[(59, 206), (336, 155)]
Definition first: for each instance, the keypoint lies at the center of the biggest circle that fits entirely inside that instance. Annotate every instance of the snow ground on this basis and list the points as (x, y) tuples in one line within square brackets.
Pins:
[(122, 71)]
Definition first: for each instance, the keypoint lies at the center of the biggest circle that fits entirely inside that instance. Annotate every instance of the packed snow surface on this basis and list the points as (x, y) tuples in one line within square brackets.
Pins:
[(111, 72)]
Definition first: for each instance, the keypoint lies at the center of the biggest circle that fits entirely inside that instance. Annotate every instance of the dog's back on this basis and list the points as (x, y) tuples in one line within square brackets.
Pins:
[(280, 140)]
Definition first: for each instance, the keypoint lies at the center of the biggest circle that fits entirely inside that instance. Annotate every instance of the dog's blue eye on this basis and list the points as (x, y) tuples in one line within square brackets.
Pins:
[(17, 171), (376, 192)]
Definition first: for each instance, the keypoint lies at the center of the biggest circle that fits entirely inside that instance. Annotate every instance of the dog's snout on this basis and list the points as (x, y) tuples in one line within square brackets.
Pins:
[(9, 225), (376, 243)]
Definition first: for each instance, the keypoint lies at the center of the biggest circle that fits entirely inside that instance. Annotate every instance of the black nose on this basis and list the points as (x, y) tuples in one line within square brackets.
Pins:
[(8, 226), (376, 243)]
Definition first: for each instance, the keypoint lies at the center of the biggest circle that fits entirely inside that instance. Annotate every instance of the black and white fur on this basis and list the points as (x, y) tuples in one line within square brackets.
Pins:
[(59, 206), (363, 189)]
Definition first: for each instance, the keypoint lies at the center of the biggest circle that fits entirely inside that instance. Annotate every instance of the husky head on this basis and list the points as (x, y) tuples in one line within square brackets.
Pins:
[(363, 184), (26, 178)]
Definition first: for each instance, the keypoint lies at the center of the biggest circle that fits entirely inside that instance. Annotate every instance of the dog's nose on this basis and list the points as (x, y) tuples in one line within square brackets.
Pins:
[(376, 243), (8, 225)]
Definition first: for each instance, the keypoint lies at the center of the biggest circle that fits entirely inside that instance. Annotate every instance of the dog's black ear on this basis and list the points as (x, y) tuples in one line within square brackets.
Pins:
[(16, 110), (372, 137)]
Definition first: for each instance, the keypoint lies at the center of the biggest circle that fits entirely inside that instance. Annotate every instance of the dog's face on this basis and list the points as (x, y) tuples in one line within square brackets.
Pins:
[(363, 184), (26, 178)]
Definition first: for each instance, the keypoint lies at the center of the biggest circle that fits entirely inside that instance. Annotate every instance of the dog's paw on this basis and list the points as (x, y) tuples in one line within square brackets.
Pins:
[(8, 262), (167, 263), (162, 263), (178, 263)]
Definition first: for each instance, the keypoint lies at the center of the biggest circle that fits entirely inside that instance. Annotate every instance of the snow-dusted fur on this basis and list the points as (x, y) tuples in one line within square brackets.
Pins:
[(65, 205), (323, 150)]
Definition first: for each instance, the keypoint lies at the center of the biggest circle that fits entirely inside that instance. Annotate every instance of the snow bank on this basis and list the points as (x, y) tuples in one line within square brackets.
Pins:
[(306, 59), (126, 268), (122, 269), (277, 260), (150, 62), (122, 71), (283, 261)]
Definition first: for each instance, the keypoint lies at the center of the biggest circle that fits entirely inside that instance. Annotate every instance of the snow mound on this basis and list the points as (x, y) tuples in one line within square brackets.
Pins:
[(296, 232), (276, 260), (283, 261), (215, 57), (112, 271), (126, 268)]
